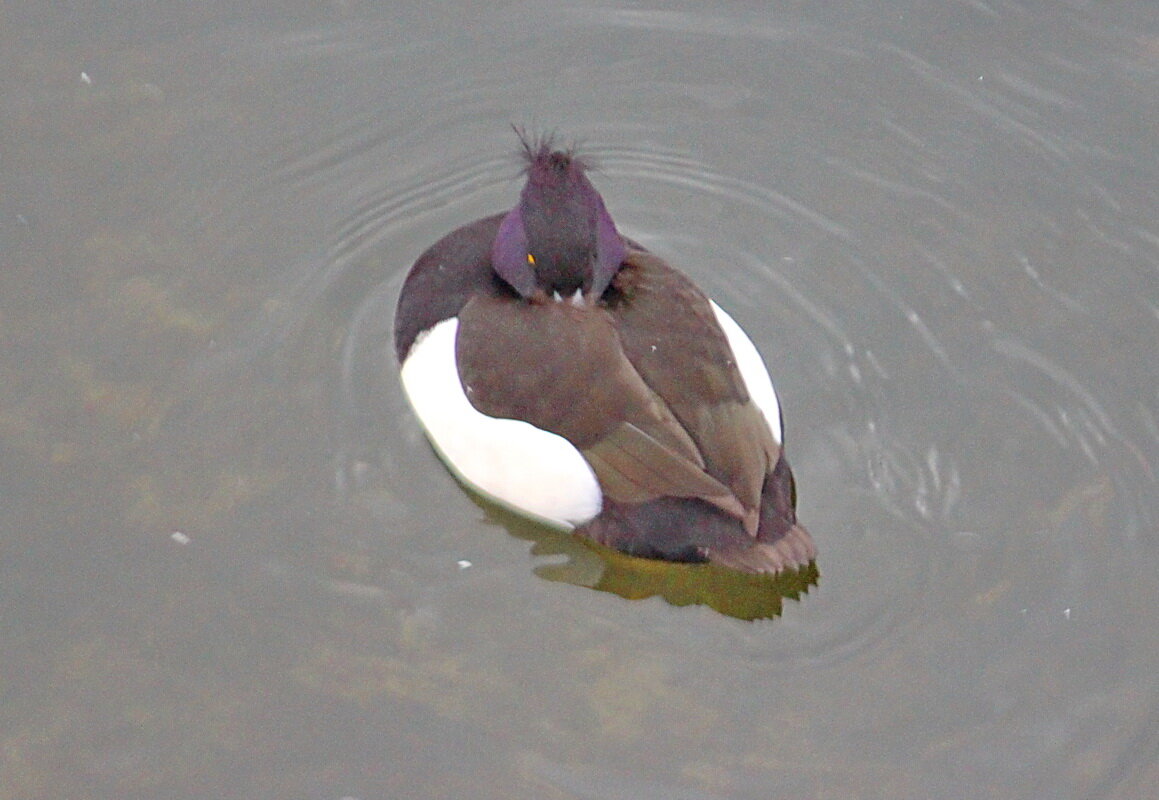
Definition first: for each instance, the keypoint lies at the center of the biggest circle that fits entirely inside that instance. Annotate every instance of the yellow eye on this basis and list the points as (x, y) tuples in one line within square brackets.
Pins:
[(531, 259)]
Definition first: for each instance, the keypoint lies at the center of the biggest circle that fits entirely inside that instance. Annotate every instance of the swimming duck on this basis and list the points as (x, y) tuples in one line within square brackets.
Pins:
[(564, 371)]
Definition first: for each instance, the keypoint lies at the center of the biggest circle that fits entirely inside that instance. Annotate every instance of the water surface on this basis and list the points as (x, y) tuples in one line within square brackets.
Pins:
[(231, 566)]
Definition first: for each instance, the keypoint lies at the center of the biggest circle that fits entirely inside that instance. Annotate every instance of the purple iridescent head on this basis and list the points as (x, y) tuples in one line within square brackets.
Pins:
[(560, 237)]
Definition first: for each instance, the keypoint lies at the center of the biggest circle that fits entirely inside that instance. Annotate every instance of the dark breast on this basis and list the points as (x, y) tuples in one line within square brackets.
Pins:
[(444, 277)]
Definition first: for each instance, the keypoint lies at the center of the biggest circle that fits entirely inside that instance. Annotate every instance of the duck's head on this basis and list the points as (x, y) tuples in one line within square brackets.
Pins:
[(559, 238)]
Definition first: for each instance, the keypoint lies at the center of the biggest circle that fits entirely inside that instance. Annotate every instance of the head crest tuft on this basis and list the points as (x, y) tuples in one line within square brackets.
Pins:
[(545, 147)]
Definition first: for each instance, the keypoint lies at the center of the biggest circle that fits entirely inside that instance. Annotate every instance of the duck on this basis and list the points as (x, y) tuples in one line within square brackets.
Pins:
[(560, 369)]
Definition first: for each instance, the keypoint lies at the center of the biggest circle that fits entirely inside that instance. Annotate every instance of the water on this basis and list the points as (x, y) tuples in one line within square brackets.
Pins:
[(231, 566)]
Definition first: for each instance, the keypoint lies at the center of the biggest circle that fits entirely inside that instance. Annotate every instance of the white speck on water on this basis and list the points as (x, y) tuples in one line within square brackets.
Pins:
[(85, 79), (872, 359), (1066, 613), (180, 537), (463, 563)]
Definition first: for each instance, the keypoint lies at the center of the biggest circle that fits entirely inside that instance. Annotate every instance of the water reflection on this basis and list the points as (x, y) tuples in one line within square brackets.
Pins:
[(581, 562)]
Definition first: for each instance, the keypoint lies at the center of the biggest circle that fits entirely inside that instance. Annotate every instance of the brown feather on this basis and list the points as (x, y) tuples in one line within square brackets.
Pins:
[(562, 368), (670, 334), (633, 467)]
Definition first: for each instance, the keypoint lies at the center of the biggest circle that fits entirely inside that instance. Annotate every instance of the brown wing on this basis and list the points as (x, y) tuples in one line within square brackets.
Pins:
[(686, 360), (562, 368)]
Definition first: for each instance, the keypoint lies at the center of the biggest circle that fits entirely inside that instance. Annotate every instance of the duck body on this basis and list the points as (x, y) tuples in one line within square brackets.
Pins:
[(566, 372)]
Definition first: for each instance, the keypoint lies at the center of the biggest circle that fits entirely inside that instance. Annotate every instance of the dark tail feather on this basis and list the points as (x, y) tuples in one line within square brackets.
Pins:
[(690, 530), (794, 549)]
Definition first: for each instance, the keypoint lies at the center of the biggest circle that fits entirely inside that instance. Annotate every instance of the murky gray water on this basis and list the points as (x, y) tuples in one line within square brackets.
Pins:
[(230, 566)]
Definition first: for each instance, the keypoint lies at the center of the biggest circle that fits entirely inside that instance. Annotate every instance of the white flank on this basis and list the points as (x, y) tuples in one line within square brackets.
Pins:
[(531, 470), (752, 370)]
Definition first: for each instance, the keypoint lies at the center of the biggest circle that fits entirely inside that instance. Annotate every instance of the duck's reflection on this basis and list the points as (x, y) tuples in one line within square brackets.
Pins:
[(581, 562)]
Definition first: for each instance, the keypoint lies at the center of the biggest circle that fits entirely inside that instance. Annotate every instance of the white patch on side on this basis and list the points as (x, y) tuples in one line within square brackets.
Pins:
[(532, 471), (752, 370)]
